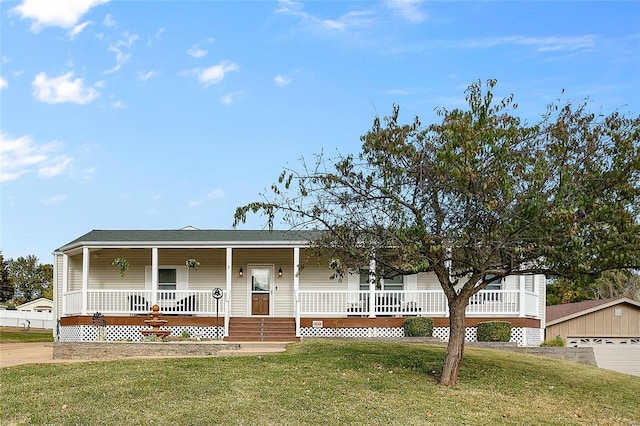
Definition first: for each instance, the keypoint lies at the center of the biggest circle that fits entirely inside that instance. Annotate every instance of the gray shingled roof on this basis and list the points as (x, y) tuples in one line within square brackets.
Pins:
[(185, 236)]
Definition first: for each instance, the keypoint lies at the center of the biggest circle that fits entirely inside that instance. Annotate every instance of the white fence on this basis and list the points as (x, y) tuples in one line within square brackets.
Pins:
[(11, 318)]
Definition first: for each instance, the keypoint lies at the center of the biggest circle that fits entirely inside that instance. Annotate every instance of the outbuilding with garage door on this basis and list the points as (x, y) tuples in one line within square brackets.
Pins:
[(610, 326)]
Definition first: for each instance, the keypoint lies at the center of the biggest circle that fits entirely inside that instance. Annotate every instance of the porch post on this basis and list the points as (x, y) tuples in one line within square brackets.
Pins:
[(296, 287), (65, 282), (154, 276), (227, 293), (85, 279), (521, 294), (372, 288)]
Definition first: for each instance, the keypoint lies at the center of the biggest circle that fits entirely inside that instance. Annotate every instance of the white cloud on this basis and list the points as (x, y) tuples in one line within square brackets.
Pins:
[(62, 89), (281, 80), (121, 59), (121, 56), (48, 13), (77, 30), (146, 75), (129, 39), (54, 199), (3, 83), (540, 44), (55, 166), (229, 98), (407, 9), (216, 194), (347, 22), (21, 155), (197, 52), (109, 21), (157, 36), (118, 105), (214, 74)]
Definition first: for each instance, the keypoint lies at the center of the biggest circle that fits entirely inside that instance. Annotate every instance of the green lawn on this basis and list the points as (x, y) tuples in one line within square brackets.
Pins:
[(320, 382), (17, 335)]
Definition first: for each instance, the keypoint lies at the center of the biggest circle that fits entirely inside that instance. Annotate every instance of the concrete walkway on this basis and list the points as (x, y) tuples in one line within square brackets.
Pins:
[(12, 354)]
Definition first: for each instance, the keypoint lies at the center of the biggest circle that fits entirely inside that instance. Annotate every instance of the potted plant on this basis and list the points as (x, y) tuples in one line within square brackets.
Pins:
[(122, 264), (192, 264)]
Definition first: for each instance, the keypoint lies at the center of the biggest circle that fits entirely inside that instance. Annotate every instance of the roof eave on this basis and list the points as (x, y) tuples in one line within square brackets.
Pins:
[(181, 244), (593, 309)]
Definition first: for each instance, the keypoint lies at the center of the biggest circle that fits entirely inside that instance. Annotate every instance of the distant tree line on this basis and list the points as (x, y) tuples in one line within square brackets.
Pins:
[(24, 279)]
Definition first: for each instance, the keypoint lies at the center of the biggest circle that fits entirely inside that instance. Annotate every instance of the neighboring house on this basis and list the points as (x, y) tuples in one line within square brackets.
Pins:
[(270, 290), (592, 322), (39, 305), (610, 326)]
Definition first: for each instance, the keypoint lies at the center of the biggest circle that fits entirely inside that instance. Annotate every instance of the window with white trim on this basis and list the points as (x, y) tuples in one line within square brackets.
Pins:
[(391, 284), (167, 280)]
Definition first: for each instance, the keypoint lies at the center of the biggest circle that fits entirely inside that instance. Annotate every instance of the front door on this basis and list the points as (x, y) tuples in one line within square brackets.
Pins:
[(261, 284)]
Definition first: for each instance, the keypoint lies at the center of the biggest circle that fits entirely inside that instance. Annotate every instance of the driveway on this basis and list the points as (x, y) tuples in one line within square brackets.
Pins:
[(25, 353), (37, 353), (621, 358)]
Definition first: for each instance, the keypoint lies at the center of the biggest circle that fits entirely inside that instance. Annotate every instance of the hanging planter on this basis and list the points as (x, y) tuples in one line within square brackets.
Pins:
[(192, 264), (122, 264)]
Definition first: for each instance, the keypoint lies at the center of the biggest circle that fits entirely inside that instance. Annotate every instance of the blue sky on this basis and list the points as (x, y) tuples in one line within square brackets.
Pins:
[(161, 114)]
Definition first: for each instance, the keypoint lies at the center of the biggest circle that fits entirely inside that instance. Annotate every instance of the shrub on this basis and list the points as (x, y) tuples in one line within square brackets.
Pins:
[(418, 327), (557, 342), (494, 331)]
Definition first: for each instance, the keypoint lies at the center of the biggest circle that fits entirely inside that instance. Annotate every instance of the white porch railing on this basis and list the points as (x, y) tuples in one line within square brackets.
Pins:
[(110, 302), (426, 302), (492, 302), (73, 302), (308, 302)]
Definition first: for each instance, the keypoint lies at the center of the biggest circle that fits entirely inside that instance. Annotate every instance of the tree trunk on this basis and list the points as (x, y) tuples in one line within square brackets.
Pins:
[(455, 347)]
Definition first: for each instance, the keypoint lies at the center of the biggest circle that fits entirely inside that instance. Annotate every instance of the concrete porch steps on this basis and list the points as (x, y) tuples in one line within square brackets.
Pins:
[(261, 329)]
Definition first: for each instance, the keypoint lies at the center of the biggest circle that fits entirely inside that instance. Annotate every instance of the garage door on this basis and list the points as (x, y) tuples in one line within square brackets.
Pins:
[(617, 354)]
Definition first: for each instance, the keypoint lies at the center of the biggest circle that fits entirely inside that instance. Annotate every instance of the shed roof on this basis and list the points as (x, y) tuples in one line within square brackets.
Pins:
[(560, 313)]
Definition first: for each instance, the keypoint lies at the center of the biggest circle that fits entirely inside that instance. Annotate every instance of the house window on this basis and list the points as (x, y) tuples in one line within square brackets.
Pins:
[(167, 280), (364, 280), (494, 285), (391, 284), (528, 283)]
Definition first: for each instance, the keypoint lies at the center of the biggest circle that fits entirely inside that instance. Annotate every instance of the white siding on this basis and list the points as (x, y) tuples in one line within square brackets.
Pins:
[(427, 281), (283, 287), (103, 275), (57, 285)]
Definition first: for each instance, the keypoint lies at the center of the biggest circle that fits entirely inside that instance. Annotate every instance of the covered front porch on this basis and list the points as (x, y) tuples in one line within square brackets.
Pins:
[(341, 306), (260, 281)]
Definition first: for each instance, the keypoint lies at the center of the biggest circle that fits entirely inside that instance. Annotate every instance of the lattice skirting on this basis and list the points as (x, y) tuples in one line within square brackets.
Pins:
[(111, 333), (523, 336)]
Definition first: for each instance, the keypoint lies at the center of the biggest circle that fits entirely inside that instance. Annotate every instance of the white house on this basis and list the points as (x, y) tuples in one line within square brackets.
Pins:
[(269, 289), (39, 305)]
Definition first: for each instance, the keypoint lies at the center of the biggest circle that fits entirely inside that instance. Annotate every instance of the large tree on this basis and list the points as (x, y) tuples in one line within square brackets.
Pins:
[(6, 284), (474, 198), (624, 283), (30, 278)]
